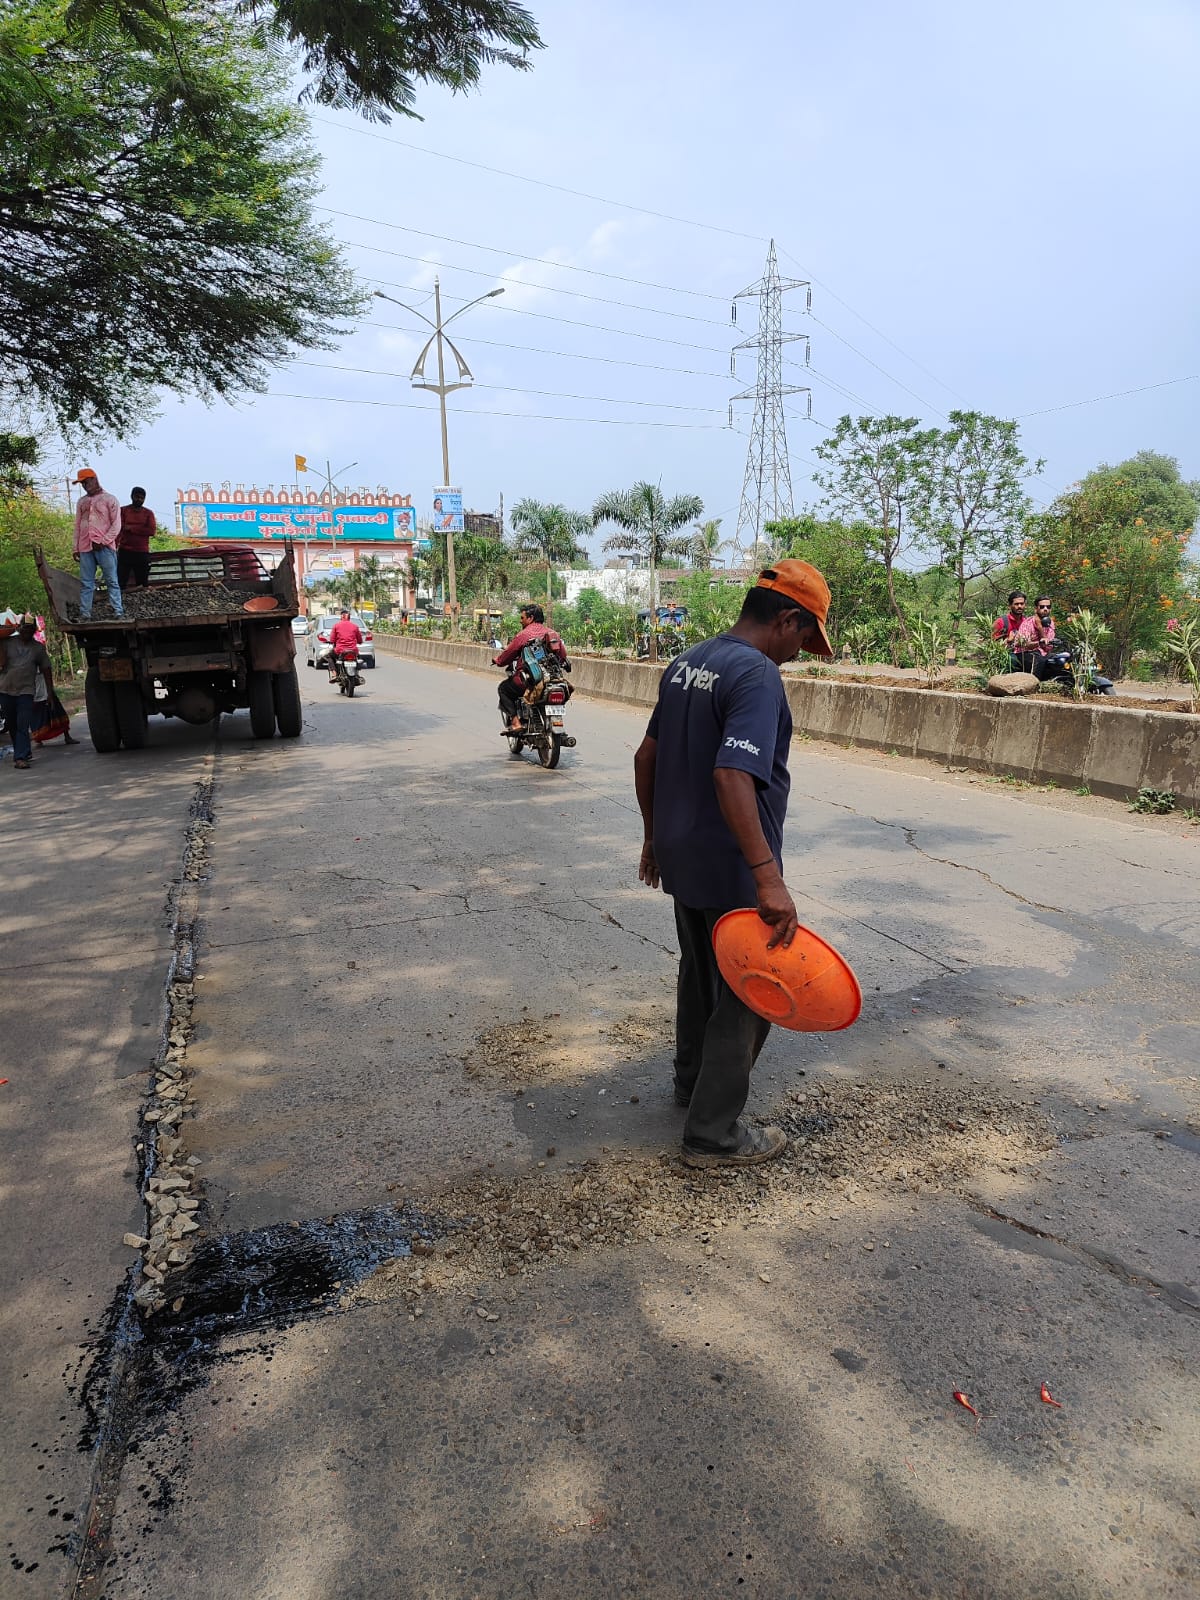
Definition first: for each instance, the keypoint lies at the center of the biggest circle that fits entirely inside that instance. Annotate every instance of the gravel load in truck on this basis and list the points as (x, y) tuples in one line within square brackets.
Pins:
[(209, 634)]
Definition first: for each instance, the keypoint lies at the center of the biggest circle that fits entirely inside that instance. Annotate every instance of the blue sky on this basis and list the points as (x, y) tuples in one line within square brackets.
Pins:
[(1007, 195)]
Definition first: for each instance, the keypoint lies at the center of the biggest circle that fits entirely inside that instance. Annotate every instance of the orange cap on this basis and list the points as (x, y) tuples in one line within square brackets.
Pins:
[(802, 583), (84, 474)]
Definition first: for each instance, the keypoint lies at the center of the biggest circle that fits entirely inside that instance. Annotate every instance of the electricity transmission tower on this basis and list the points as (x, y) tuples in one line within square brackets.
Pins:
[(767, 486)]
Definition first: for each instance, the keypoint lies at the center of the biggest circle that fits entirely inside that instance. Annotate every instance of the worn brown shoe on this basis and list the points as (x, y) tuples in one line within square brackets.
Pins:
[(760, 1144)]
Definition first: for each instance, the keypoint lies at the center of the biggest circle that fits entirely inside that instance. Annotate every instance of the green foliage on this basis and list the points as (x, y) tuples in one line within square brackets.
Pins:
[(928, 645), (705, 543), (878, 471), (1161, 495), (990, 656), (156, 223), (18, 452), (1089, 634), (25, 523), (550, 533), (367, 57), (648, 523), (1183, 647), (971, 500), (1153, 802), (484, 566), (844, 553), (1093, 550)]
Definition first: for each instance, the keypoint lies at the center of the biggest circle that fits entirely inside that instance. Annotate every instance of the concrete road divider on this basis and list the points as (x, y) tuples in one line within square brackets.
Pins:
[(1114, 751)]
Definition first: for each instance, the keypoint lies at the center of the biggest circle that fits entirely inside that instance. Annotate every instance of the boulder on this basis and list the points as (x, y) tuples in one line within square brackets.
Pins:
[(1006, 683)]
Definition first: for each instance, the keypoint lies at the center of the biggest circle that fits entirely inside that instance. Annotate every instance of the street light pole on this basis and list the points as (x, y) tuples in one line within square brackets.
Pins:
[(329, 481), (441, 388)]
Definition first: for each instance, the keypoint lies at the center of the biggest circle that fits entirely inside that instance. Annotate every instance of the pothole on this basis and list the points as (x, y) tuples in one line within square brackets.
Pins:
[(850, 1143), (563, 1049)]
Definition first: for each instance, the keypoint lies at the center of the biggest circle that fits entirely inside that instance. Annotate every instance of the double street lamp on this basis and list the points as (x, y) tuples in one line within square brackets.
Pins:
[(420, 380)]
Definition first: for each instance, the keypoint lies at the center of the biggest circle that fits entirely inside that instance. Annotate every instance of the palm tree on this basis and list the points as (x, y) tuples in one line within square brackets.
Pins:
[(649, 525), (483, 564), (551, 533), (705, 542), (375, 581)]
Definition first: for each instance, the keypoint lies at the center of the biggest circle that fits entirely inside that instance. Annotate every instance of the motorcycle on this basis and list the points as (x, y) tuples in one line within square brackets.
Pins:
[(1059, 667), (544, 729), (347, 670)]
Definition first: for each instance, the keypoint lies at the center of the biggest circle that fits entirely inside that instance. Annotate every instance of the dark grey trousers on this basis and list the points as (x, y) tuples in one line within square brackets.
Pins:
[(717, 1038)]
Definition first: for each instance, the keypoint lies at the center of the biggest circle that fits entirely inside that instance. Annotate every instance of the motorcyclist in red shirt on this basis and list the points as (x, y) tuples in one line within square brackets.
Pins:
[(344, 639), (512, 687)]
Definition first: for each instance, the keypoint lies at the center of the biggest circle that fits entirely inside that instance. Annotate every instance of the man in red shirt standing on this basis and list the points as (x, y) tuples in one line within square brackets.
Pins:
[(344, 639), (97, 524), (138, 527), (533, 626)]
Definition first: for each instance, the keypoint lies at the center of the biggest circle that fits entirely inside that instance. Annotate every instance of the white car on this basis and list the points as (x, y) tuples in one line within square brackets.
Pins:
[(318, 638)]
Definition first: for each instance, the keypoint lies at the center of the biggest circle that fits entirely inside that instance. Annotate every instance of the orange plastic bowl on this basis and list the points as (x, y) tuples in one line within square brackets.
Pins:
[(261, 602), (808, 987)]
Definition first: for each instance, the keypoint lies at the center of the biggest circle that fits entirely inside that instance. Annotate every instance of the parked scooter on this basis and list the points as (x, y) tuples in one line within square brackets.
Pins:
[(1059, 667)]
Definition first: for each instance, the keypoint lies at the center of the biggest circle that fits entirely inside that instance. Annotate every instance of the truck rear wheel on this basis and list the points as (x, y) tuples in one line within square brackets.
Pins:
[(101, 713), (262, 704), (131, 715), (289, 713)]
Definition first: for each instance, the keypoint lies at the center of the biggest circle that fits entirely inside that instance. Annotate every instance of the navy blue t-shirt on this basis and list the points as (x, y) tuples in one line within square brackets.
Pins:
[(721, 704)]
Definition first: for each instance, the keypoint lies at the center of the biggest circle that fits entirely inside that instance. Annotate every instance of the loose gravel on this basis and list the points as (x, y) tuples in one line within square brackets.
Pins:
[(211, 597), (850, 1144)]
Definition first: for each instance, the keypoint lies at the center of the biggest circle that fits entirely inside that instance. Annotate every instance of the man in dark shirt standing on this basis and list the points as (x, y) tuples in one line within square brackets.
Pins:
[(712, 786), (138, 526)]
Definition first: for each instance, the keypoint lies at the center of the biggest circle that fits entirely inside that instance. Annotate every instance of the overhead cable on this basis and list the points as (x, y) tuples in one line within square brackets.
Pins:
[(522, 416), (522, 255)]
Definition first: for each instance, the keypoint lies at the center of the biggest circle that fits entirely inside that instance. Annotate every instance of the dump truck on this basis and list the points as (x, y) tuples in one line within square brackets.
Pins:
[(210, 632)]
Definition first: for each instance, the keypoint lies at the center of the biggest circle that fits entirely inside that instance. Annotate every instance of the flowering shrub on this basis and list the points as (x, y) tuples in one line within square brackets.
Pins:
[(1093, 552)]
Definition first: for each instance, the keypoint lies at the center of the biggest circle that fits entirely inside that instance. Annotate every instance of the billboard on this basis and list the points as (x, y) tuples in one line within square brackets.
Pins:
[(229, 520), (447, 513)]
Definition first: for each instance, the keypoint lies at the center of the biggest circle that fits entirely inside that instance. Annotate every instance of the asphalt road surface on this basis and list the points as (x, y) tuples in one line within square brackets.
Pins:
[(433, 1011)]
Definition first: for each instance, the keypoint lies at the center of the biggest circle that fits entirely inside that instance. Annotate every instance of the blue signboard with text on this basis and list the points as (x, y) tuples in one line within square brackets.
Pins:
[(206, 520)]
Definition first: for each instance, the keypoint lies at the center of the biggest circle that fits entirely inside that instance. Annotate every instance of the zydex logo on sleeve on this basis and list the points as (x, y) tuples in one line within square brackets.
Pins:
[(742, 744)]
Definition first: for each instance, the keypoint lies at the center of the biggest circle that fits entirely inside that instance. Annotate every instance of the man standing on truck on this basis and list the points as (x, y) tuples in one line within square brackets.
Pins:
[(97, 528), (138, 527)]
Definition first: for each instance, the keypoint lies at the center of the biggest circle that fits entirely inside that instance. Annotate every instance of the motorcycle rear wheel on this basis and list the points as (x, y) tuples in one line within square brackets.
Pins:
[(550, 750)]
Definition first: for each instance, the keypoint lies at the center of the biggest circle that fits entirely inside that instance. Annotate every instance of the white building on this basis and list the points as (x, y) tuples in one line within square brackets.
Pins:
[(621, 585)]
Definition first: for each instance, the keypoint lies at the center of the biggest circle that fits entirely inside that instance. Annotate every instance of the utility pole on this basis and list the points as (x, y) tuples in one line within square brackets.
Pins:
[(441, 388), (767, 485), (303, 466)]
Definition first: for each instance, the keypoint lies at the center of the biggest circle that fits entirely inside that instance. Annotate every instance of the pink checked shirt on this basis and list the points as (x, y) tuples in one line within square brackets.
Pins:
[(97, 521)]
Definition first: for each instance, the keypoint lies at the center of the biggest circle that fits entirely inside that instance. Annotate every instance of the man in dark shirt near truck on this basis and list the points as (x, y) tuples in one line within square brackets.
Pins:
[(712, 786), (138, 527)]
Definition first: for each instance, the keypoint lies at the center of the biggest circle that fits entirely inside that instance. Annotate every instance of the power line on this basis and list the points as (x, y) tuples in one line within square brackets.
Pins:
[(510, 388), (593, 327), (522, 416), (566, 355), (891, 377), (662, 216), (878, 331), (521, 283), (522, 255), (1118, 394), (541, 183)]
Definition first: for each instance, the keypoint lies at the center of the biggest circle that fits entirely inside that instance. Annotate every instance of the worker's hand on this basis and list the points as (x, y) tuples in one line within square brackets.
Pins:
[(648, 866), (776, 906)]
